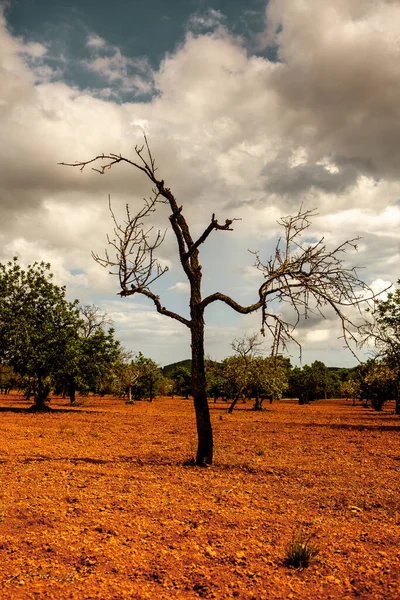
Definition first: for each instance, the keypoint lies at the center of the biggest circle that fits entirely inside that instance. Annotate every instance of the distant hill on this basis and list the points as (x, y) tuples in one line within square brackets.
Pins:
[(188, 364), (182, 363)]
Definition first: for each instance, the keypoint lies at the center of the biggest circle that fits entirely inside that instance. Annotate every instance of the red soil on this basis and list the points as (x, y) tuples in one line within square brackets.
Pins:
[(96, 502)]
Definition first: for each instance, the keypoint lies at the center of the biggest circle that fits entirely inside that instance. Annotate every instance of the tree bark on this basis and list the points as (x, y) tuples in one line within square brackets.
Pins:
[(41, 397), (233, 404), (72, 391), (258, 402), (204, 455)]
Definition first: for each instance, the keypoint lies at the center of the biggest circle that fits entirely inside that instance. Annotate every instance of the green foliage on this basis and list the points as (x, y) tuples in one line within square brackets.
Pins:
[(37, 324), (387, 315), (313, 382), (250, 376), (377, 382), (216, 384), (9, 379), (380, 381), (236, 372), (351, 389), (268, 378), (137, 377), (165, 386), (94, 360), (301, 550), (147, 384), (182, 379), (386, 334), (44, 339)]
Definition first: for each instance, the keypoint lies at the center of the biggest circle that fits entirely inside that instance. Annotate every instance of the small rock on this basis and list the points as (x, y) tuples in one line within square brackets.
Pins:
[(210, 552)]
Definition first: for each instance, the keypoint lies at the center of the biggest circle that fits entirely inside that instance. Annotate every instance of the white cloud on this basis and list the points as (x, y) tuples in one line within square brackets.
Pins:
[(34, 49), (339, 83), (131, 74), (204, 21), (181, 287), (232, 134), (95, 41)]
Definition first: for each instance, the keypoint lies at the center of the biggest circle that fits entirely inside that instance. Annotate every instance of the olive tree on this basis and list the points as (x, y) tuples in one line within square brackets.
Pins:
[(309, 277)]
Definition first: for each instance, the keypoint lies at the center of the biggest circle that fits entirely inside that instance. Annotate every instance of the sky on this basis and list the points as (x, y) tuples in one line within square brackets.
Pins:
[(252, 109)]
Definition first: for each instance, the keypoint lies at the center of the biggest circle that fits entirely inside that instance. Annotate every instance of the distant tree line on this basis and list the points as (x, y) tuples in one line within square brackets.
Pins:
[(49, 344)]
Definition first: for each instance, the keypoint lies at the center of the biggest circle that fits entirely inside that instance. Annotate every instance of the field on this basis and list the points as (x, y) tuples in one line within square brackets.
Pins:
[(101, 501)]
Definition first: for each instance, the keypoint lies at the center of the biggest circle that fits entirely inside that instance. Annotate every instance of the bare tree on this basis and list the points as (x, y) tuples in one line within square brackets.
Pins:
[(249, 346), (309, 279), (237, 368), (93, 319)]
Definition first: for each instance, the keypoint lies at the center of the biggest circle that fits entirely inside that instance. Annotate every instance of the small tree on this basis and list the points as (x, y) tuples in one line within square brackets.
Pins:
[(165, 386), (88, 359), (237, 379), (97, 354), (384, 331), (381, 383), (146, 385), (313, 382), (125, 374), (351, 389), (269, 379), (238, 369), (182, 379), (307, 276)]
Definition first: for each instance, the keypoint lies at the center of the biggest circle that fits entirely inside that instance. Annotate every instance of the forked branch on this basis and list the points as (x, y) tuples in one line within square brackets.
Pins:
[(133, 259)]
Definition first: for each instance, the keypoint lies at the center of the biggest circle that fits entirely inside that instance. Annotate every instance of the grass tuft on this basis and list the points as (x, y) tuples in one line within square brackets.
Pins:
[(301, 550)]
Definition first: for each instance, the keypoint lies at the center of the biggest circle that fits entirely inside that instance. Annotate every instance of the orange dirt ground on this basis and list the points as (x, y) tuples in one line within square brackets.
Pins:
[(97, 502)]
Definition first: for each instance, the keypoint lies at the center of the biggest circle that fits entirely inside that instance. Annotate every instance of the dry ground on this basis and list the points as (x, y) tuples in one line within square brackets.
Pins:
[(96, 502)]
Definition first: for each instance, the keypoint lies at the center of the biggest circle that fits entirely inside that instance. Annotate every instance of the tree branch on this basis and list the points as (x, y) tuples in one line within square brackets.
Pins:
[(134, 260), (308, 279), (156, 299), (213, 225)]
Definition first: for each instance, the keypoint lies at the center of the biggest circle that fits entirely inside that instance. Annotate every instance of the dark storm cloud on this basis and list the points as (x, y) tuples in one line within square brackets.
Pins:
[(283, 179)]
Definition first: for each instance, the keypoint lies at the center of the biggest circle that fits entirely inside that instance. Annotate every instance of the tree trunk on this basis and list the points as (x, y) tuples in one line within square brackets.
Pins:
[(257, 404), (41, 397), (72, 391), (129, 393), (397, 409), (199, 387), (233, 404), (257, 401)]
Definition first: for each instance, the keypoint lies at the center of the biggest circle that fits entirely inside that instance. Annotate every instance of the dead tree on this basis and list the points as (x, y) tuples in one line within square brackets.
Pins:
[(93, 319), (309, 278)]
